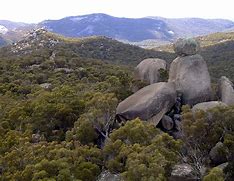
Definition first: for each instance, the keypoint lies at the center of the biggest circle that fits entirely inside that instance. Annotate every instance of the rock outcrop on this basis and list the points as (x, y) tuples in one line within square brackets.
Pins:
[(167, 123), (65, 70), (183, 172), (149, 103), (36, 138), (46, 86), (148, 70), (226, 91), (217, 156), (107, 176), (191, 76), (204, 106)]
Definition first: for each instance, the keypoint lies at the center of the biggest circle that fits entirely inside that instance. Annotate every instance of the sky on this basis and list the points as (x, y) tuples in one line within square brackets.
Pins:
[(34, 11)]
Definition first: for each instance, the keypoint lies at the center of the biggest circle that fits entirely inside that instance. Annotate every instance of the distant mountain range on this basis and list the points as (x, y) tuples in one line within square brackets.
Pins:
[(105, 25), (190, 27), (135, 30), (125, 29), (2, 41), (13, 31)]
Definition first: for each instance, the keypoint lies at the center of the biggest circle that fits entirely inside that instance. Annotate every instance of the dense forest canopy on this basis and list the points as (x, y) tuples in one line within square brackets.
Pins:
[(57, 95)]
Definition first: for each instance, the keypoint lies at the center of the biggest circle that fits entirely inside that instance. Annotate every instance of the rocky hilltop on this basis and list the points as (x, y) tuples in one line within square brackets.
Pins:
[(58, 116)]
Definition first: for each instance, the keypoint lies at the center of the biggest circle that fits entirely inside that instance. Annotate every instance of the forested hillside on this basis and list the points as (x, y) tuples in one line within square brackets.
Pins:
[(220, 59), (58, 99), (43, 94)]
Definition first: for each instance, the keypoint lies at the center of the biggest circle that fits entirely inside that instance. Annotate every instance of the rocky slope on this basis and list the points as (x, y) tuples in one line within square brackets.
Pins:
[(217, 50), (102, 48)]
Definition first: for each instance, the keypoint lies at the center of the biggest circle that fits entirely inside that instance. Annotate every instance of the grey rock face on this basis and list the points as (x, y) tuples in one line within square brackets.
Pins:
[(192, 79), (184, 47), (177, 134), (107, 176), (35, 66), (183, 172), (226, 91), (178, 126), (149, 103), (46, 85), (177, 117), (36, 138), (216, 155), (204, 106), (66, 70), (167, 123), (148, 70)]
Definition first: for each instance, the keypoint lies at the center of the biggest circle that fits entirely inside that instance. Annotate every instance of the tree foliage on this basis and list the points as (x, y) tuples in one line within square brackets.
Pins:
[(203, 130), (141, 152), (216, 174), (57, 107)]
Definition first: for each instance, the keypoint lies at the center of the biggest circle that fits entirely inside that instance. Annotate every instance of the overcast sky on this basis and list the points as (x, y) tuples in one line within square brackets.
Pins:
[(34, 11)]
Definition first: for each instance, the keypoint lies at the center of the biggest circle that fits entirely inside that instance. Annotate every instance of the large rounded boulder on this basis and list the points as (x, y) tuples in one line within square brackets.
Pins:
[(149, 103), (226, 91), (185, 47), (204, 106), (149, 70), (167, 123), (191, 77), (217, 154)]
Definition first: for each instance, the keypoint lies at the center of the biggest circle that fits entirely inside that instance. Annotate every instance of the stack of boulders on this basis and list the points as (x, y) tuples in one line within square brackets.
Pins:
[(189, 72), (189, 83), (160, 102)]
